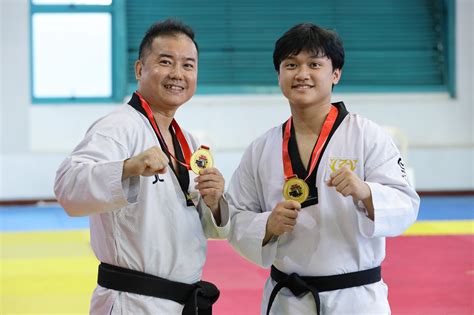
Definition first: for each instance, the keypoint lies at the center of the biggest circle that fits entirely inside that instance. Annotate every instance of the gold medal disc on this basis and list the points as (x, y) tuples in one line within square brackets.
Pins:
[(295, 189), (201, 159)]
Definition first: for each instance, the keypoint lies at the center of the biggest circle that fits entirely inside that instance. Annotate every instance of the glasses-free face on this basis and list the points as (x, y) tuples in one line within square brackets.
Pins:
[(306, 79), (167, 73)]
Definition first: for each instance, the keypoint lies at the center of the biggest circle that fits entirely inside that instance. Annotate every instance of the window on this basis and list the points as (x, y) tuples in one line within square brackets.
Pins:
[(72, 51)]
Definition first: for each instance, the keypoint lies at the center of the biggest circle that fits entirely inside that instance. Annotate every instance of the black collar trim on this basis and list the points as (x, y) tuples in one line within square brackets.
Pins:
[(181, 173), (299, 169)]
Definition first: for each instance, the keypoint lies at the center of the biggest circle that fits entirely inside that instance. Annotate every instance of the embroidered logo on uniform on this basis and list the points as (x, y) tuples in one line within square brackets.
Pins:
[(335, 164), (402, 168)]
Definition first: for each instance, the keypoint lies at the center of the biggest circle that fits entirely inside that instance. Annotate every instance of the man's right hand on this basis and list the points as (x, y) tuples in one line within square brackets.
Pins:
[(147, 163), (282, 219)]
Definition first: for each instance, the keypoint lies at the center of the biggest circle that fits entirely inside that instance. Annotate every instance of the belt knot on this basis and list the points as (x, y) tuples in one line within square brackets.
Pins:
[(297, 285)]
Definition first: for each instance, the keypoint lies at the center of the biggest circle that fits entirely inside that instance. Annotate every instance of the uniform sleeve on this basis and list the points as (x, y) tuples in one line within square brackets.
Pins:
[(90, 179), (395, 202), (209, 224), (248, 222)]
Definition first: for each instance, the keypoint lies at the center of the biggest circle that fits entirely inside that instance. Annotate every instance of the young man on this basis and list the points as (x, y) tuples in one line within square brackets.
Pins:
[(131, 175), (315, 197)]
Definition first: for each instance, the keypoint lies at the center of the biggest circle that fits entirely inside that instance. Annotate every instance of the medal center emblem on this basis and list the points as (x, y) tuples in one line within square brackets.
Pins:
[(201, 159), (296, 189)]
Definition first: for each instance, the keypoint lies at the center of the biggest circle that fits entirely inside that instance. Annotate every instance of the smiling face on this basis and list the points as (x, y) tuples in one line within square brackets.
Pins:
[(167, 73), (306, 79)]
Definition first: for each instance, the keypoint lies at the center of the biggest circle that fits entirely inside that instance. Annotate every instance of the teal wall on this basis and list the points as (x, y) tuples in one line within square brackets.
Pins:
[(390, 45)]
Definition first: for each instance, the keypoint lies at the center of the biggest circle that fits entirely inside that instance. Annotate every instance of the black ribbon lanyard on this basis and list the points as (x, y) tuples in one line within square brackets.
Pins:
[(181, 172)]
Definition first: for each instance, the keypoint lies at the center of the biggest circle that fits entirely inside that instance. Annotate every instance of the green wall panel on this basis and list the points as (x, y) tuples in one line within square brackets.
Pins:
[(389, 43)]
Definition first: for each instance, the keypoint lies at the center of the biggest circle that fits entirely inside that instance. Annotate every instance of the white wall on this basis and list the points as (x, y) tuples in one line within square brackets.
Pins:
[(35, 138)]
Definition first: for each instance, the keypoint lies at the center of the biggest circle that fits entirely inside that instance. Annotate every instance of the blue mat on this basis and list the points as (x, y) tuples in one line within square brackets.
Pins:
[(43, 218), (39, 218), (446, 208)]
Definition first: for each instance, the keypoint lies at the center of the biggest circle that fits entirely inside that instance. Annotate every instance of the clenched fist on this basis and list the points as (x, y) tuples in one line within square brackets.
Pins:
[(147, 163), (348, 183)]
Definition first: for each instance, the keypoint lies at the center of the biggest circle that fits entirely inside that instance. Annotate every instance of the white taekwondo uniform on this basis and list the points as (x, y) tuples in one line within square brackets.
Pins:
[(334, 236), (140, 225)]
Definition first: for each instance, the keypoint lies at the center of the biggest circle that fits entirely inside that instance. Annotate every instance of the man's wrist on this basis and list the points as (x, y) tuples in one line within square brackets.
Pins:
[(129, 169), (268, 236), (216, 213)]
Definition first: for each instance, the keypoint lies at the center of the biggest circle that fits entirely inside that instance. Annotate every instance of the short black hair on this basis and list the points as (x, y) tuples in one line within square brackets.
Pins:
[(169, 27), (311, 38)]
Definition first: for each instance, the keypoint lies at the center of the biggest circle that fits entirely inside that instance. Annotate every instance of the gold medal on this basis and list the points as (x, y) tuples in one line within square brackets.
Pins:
[(295, 189), (201, 159)]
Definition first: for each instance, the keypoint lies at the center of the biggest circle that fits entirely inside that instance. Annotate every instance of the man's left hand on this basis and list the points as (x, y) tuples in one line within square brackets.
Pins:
[(348, 183), (210, 184)]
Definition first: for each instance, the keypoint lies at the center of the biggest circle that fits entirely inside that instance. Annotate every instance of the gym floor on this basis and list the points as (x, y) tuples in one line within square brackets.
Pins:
[(47, 265)]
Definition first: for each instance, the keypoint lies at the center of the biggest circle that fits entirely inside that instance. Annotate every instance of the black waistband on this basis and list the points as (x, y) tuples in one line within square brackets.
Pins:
[(197, 298), (302, 285)]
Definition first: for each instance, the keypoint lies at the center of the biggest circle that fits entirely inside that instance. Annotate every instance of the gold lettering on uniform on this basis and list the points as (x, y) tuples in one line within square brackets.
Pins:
[(336, 164), (342, 163), (353, 164), (332, 165)]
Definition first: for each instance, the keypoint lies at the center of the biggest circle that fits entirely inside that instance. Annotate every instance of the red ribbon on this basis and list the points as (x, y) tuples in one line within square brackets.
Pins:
[(323, 136), (179, 134)]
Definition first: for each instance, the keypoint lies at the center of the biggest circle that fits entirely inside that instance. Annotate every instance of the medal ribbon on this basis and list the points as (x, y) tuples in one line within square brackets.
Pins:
[(323, 136), (179, 134)]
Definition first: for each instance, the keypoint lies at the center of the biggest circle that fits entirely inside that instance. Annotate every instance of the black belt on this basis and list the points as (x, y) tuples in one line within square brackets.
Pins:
[(197, 298), (302, 285)]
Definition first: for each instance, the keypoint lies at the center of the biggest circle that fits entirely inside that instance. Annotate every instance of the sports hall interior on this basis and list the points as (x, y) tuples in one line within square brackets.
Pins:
[(65, 63)]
